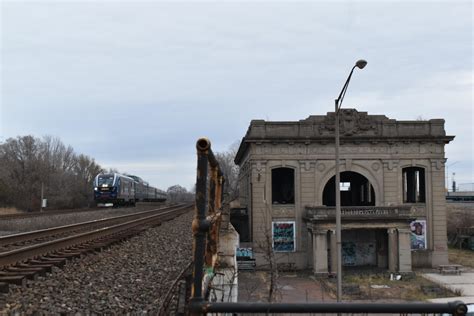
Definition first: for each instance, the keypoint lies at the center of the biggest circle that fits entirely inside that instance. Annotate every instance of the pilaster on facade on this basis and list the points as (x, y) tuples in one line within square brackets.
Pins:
[(404, 250), (332, 251), (320, 253), (392, 249)]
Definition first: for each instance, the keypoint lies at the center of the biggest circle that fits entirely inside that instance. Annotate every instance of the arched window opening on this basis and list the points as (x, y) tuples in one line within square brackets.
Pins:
[(283, 186), (356, 190), (413, 185)]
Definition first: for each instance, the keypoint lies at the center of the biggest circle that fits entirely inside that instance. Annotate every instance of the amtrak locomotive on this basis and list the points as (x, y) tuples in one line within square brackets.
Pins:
[(118, 189)]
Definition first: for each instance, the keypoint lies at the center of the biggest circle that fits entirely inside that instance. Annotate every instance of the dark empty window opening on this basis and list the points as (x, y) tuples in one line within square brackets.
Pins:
[(356, 190), (240, 220), (283, 186), (413, 185)]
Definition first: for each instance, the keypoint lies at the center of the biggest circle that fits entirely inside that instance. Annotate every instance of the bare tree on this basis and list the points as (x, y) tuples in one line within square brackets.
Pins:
[(177, 193), (20, 157), (265, 246), (230, 170), (27, 164), (85, 170), (112, 170)]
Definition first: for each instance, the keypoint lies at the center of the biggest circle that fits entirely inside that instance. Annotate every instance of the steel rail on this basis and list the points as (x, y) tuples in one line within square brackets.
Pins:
[(12, 257), (46, 213), (15, 238), (455, 308), (166, 301)]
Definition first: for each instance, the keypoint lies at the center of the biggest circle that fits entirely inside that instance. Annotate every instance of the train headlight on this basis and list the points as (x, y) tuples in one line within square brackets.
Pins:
[(96, 189)]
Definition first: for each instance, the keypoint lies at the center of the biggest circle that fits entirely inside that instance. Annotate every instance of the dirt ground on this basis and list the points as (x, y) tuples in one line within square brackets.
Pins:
[(366, 286), (304, 287), (462, 256), (9, 210)]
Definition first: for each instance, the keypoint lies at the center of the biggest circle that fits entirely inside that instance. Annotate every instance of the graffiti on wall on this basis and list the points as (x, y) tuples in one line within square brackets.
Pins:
[(358, 254), (283, 234), (348, 254), (244, 253), (418, 234)]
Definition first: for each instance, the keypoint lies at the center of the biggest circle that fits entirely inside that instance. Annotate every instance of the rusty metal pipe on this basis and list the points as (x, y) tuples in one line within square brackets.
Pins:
[(204, 145), (457, 308), (205, 228), (200, 225)]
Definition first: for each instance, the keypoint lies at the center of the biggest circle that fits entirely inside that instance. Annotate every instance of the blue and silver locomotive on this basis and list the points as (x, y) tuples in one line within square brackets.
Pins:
[(118, 189)]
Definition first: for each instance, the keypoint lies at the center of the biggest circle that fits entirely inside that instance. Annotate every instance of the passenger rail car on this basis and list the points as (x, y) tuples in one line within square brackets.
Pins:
[(118, 189), (144, 192)]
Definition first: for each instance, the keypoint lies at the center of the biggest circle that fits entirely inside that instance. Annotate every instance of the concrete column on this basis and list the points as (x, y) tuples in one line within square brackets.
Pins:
[(332, 251), (392, 249), (310, 262), (382, 250), (404, 250), (320, 252)]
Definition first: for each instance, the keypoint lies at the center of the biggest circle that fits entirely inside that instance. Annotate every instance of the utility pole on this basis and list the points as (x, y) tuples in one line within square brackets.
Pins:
[(338, 104), (42, 191)]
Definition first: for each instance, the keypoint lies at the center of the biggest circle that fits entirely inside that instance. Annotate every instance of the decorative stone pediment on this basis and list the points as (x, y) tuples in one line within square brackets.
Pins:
[(351, 122)]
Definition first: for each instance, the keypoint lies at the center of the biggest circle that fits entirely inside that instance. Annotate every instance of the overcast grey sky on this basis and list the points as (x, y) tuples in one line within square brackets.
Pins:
[(134, 84)]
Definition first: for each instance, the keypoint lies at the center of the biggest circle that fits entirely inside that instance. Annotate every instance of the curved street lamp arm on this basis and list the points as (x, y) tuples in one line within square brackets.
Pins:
[(343, 91)]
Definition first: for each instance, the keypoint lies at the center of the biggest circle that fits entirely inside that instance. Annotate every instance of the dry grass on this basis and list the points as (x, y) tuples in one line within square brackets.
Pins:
[(9, 210), (464, 257), (406, 289), (459, 215)]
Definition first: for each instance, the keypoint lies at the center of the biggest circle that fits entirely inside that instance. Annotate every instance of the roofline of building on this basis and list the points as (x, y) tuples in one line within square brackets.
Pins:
[(244, 144)]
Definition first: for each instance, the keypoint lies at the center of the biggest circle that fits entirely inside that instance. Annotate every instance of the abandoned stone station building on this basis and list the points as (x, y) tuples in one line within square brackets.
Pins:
[(392, 191)]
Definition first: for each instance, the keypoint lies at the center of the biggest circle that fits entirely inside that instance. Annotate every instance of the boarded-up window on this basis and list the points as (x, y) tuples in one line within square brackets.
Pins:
[(283, 186), (413, 185)]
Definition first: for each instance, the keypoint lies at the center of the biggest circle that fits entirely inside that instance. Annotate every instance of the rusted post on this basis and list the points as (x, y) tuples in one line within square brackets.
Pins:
[(212, 190), (219, 196), (211, 247), (200, 224), (205, 227)]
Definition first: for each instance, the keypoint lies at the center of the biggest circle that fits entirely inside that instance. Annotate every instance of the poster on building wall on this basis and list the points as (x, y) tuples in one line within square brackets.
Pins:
[(418, 234), (283, 234)]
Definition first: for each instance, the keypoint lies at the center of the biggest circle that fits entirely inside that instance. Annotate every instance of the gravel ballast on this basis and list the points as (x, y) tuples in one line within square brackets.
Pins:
[(128, 278), (14, 226)]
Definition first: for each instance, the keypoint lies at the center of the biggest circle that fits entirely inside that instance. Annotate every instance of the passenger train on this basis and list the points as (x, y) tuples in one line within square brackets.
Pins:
[(118, 189)]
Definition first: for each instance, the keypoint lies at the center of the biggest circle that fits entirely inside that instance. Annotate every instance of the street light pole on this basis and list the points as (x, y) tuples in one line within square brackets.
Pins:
[(338, 103), (447, 174)]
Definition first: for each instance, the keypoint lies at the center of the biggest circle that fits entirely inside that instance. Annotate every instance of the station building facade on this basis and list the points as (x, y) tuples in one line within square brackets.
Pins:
[(392, 191)]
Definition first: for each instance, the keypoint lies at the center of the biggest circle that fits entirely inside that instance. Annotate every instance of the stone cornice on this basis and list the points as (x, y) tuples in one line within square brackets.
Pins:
[(355, 127)]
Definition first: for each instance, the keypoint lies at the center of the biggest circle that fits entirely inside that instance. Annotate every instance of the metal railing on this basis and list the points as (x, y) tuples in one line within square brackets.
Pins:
[(205, 230)]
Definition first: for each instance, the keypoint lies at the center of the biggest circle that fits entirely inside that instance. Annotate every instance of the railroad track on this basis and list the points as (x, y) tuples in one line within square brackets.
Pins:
[(10, 242), (47, 213), (58, 212), (36, 258)]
